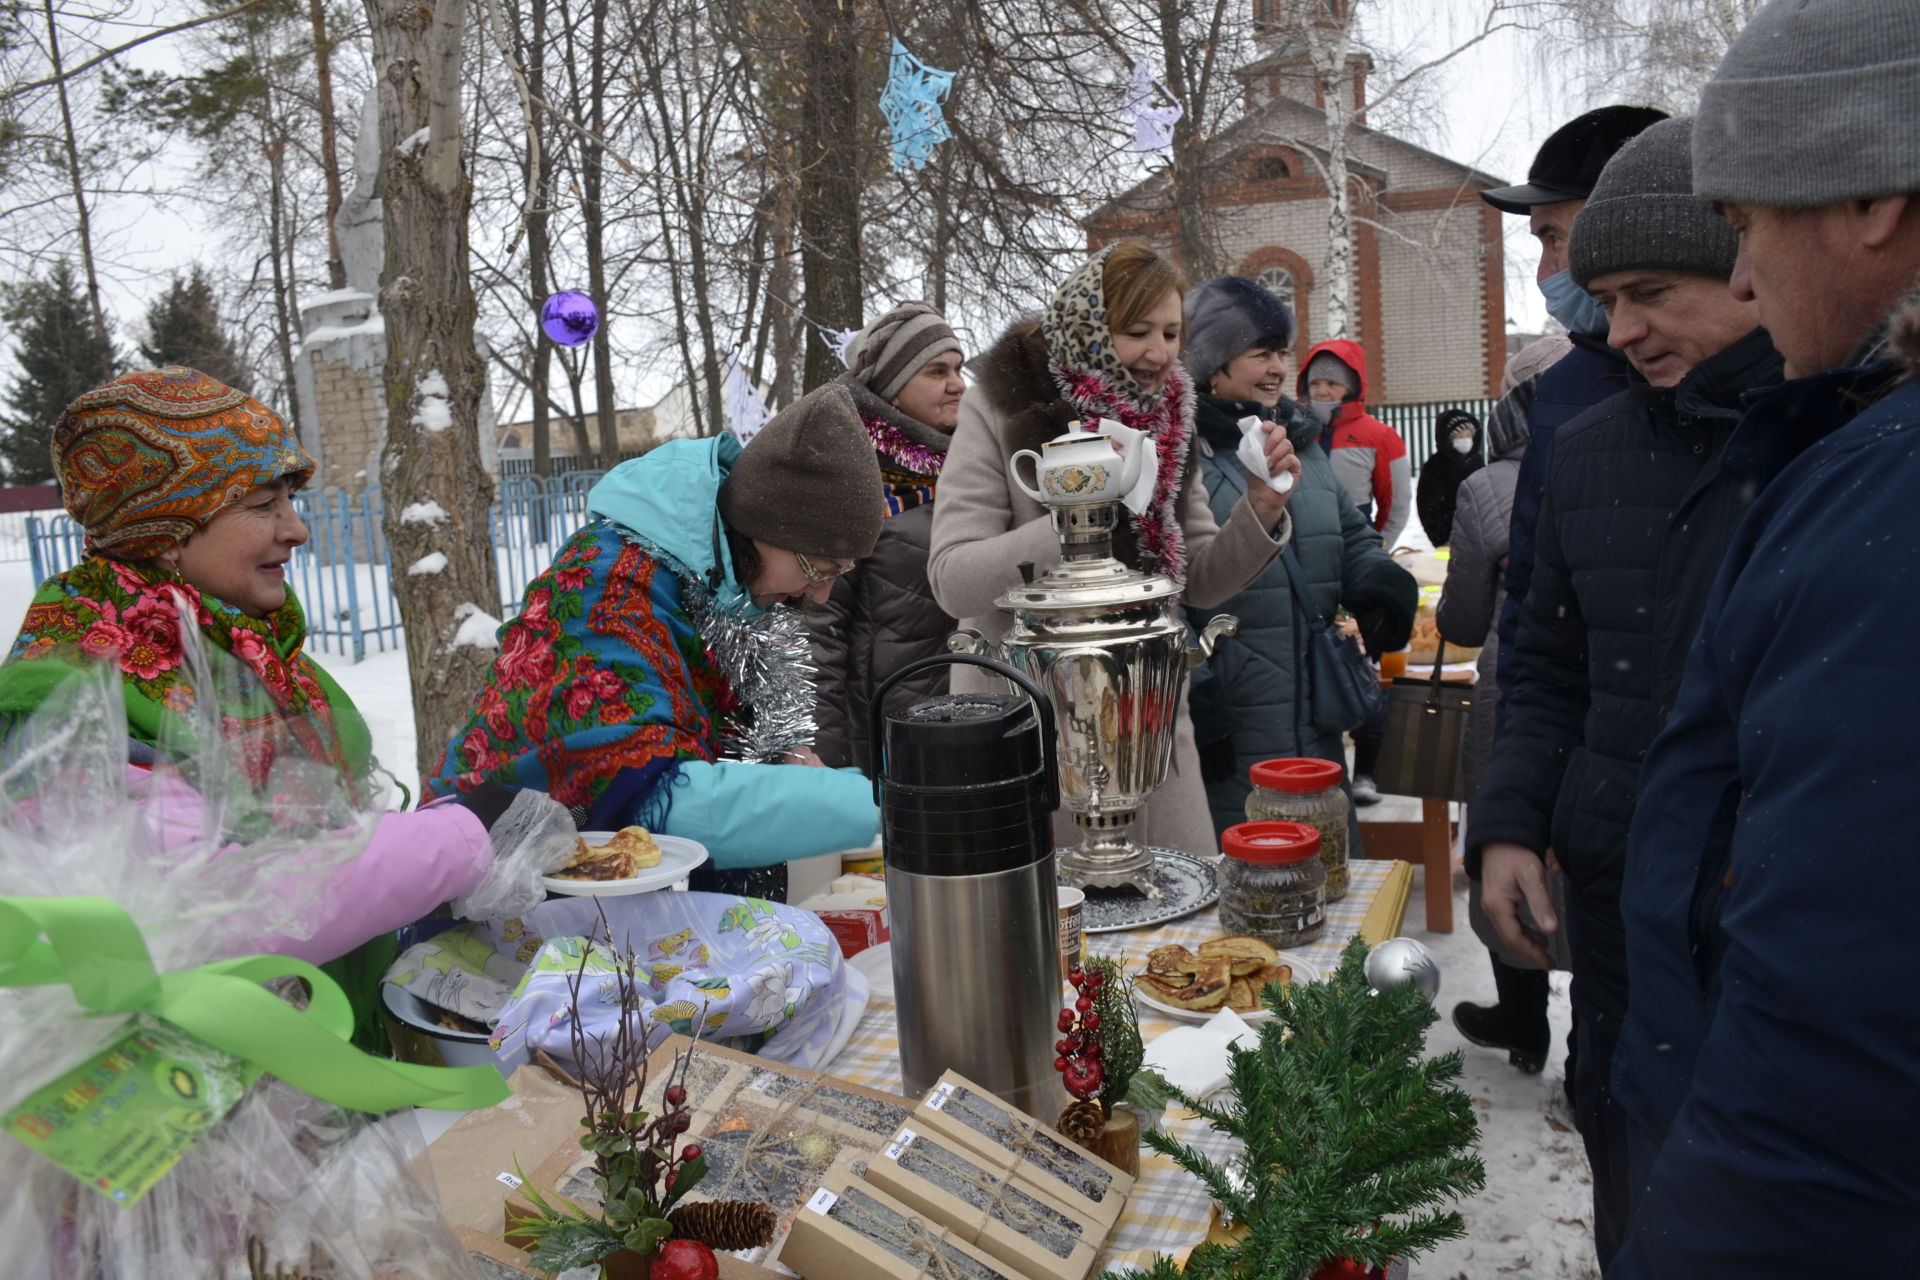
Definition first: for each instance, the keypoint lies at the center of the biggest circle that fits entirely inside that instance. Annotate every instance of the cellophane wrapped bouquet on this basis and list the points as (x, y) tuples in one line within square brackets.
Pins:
[(225, 841)]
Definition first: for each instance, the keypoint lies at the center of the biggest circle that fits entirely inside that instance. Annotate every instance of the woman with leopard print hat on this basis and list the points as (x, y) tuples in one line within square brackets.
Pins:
[(1107, 347)]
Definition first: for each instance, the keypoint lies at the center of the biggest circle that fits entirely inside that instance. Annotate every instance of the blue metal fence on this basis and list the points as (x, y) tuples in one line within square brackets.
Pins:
[(343, 575)]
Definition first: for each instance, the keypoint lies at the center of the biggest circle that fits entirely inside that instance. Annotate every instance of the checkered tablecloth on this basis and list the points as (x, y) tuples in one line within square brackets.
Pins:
[(1169, 1210)]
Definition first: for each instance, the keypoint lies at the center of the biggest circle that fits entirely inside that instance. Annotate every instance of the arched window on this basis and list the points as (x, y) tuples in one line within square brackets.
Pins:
[(1278, 281), (1271, 169)]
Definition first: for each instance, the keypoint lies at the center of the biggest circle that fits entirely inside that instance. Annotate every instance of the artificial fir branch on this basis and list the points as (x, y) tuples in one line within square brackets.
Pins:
[(1353, 1141)]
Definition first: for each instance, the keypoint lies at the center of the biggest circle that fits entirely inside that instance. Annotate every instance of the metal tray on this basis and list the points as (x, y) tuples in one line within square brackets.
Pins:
[(1186, 885)]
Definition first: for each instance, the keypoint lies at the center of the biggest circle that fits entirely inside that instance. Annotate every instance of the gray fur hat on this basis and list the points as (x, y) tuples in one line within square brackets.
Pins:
[(1644, 216), (1228, 317), (1815, 103)]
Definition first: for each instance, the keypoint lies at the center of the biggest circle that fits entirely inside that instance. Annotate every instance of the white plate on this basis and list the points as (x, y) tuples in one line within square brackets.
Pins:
[(1304, 970), (678, 856)]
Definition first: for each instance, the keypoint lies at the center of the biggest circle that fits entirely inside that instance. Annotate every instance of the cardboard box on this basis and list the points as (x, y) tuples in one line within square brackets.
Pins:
[(1066, 1172), (855, 928), (987, 1203), (478, 1162), (851, 1230), (496, 1259)]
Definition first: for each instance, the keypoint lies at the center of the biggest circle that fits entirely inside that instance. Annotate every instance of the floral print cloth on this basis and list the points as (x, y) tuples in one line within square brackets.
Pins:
[(763, 976), (602, 687), (131, 615)]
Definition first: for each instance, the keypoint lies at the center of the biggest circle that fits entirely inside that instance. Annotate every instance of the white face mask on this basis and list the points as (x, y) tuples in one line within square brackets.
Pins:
[(1323, 409), (1463, 444)]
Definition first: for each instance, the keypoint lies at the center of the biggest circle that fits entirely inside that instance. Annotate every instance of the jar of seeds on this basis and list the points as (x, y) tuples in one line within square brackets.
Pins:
[(1272, 884), (1306, 790)]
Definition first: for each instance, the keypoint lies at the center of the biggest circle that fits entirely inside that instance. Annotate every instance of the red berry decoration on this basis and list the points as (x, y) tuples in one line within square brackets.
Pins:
[(684, 1260), (690, 1152), (1082, 1078), (1076, 975), (1066, 1020), (1081, 1051), (1091, 1021), (676, 1096), (1060, 1063), (1083, 1004)]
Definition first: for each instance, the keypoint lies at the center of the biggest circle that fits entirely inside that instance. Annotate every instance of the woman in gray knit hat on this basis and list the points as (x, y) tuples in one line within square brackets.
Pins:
[(903, 372)]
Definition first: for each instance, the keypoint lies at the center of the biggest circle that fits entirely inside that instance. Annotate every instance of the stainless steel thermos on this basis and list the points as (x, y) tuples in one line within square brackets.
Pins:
[(967, 788)]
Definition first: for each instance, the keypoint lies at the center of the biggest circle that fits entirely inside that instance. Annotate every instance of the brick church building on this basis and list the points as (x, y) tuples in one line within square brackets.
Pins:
[(1430, 279)]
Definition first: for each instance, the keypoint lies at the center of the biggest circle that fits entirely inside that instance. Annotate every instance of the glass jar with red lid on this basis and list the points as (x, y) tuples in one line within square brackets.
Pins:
[(1273, 885), (1306, 790)]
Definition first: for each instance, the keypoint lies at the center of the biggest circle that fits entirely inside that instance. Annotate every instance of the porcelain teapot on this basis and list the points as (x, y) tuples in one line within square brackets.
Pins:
[(1080, 467)]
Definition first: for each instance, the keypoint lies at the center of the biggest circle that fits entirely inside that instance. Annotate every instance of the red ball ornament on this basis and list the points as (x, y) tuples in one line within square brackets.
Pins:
[(684, 1260), (1076, 975), (1065, 1022), (1095, 978), (1091, 1022), (1092, 1051), (1083, 1078), (1060, 1063), (1063, 1047), (1083, 1004)]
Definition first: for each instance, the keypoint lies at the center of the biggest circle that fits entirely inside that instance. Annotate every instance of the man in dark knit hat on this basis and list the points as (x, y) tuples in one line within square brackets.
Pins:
[(1635, 514), (1768, 1069), (649, 675), (903, 372)]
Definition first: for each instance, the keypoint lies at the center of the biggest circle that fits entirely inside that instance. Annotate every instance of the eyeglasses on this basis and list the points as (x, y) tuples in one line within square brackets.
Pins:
[(814, 576)]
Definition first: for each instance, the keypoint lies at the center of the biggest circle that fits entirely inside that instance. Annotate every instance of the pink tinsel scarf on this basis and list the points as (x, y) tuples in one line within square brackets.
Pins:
[(1169, 422), (896, 444)]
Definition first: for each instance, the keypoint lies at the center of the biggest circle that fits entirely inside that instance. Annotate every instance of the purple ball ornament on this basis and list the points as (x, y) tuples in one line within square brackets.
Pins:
[(570, 318)]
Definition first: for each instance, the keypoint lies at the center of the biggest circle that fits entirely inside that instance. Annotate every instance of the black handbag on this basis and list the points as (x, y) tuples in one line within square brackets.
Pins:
[(1343, 688), (1424, 751)]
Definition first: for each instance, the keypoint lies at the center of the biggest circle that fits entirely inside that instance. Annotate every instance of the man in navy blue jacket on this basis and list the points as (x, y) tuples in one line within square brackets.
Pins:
[(1770, 1066)]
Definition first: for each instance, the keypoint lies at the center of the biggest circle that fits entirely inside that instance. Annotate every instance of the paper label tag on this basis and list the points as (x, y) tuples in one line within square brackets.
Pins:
[(823, 1201), (508, 1180), (899, 1145), (121, 1119), (938, 1098)]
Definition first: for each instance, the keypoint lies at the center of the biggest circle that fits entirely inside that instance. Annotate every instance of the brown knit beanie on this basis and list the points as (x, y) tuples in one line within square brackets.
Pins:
[(888, 352), (808, 482)]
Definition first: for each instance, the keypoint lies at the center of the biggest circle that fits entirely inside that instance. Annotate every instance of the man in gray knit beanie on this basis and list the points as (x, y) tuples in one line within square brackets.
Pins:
[(1806, 138), (1764, 1084), (1657, 258)]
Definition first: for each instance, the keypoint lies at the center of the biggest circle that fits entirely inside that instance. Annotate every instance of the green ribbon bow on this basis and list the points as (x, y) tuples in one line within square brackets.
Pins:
[(93, 946)]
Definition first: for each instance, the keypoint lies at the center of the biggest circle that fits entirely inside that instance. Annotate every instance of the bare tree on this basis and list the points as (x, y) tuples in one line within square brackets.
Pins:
[(1658, 52), (434, 377)]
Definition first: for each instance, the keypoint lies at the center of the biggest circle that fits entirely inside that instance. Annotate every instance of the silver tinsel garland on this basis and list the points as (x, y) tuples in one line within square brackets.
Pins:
[(768, 662)]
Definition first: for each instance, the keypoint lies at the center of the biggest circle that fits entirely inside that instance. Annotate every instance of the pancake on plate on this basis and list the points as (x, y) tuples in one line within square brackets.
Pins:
[(631, 851)]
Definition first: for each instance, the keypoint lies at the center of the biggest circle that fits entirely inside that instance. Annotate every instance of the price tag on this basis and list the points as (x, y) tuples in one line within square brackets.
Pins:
[(508, 1180), (823, 1201), (899, 1145)]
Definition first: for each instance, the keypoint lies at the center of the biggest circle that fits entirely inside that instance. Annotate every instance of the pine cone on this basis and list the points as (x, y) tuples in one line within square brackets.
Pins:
[(1083, 1121), (725, 1224)]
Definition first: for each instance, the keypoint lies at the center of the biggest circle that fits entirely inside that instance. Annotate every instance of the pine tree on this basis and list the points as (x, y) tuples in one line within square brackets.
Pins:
[(1353, 1140), (183, 327), (60, 355)]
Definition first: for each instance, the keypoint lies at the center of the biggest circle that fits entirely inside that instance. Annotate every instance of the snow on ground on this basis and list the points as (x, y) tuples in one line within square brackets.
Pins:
[(1533, 1220)]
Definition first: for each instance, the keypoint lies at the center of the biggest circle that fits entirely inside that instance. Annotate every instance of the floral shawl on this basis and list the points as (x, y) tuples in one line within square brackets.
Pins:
[(602, 688), (108, 610), (1095, 383)]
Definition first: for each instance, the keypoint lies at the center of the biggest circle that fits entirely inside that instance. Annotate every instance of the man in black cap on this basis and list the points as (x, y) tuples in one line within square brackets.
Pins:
[(1557, 186)]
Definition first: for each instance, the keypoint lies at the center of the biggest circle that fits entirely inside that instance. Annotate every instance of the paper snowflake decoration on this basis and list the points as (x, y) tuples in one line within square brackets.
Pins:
[(911, 104), (1152, 126), (746, 411), (839, 340)]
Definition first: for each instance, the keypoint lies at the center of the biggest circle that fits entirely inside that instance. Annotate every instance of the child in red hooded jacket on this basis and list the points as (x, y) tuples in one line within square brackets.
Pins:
[(1368, 455)]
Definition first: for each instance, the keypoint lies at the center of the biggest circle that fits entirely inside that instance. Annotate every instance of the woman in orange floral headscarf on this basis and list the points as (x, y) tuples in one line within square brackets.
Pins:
[(185, 488)]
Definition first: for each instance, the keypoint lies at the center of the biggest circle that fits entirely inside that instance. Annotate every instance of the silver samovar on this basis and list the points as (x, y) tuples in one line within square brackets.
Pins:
[(1109, 646)]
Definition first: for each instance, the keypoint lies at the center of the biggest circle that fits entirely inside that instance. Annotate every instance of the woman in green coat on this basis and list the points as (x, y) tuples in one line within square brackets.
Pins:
[(1253, 700)]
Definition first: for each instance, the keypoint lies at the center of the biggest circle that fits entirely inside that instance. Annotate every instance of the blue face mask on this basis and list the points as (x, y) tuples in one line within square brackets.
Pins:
[(1573, 306)]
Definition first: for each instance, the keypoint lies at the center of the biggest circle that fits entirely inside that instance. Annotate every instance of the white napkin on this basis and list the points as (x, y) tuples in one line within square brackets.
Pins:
[(1253, 455), (1140, 497), (1195, 1058)]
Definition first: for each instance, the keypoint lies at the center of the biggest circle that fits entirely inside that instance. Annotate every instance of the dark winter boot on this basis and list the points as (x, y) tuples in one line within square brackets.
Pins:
[(1518, 1023)]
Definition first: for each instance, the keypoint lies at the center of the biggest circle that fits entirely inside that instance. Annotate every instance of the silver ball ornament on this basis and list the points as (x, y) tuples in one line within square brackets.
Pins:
[(1401, 960)]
